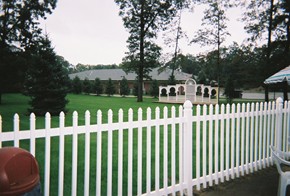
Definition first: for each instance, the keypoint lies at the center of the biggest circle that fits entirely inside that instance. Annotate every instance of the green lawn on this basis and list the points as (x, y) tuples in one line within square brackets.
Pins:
[(16, 103)]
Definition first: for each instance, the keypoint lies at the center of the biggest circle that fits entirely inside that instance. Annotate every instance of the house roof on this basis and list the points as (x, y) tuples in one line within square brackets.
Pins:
[(118, 74)]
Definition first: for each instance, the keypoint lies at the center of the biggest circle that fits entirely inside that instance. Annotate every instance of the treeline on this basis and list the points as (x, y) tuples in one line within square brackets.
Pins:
[(247, 67), (81, 67)]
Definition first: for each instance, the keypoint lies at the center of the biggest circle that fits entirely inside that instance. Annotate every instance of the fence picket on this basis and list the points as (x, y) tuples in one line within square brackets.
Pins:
[(32, 134), (181, 158), (217, 140), (227, 141), (173, 149), (197, 131), (268, 118), (238, 132), (47, 153), (232, 133), (75, 154), (87, 153), (187, 146), (279, 122), (61, 154), (130, 153), (99, 153), (165, 150), (222, 144), (273, 141), (148, 157), (252, 137), (264, 133), (260, 134), (256, 136), (16, 130), (204, 147), (110, 153), (120, 152), (210, 156), (157, 152), (247, 137), (139, 161), (243, 140)]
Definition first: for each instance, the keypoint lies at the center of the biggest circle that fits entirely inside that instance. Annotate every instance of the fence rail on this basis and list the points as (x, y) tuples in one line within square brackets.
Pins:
[(157, 152)]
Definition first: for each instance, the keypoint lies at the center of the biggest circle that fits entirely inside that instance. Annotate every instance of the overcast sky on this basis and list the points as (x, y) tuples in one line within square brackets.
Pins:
[(92, 32)]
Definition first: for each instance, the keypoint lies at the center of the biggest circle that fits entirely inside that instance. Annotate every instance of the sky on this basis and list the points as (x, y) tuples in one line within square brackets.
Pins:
[(91, 31)]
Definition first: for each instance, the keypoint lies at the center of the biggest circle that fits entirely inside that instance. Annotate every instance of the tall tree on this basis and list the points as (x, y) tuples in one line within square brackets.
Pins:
[(143, 19), (18, 31), (46, 81), (214, 31), (282, 23), (259, 21), (269, 21), (172, 38)]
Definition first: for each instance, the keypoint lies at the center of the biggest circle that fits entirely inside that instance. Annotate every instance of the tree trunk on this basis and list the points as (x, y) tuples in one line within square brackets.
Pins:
[(176, 44), (269, 48), (285, 90), (141, 63), (266, 93), (287, 45), (218, 59)]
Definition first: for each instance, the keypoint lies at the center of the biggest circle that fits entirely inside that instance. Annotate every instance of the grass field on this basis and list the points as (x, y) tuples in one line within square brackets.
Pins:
[(16, 103)]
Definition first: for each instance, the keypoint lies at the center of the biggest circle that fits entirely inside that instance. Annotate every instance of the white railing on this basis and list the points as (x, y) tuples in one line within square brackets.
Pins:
[(155, 153)]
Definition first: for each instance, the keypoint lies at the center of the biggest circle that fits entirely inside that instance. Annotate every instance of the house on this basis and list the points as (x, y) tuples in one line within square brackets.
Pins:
[(117, 75)]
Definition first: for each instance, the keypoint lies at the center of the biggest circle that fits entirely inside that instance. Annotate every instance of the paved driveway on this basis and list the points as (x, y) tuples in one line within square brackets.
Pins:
[(261, 183)]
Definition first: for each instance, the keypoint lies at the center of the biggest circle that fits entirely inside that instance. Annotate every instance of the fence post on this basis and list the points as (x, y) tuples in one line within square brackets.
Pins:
[(279, 121), (187, 146)]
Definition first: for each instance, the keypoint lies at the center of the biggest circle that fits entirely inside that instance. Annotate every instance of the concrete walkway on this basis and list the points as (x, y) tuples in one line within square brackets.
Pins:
[(261, 183)]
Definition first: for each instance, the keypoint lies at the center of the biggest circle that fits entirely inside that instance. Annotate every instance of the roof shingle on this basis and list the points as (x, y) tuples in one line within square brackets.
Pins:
[(118, 74)]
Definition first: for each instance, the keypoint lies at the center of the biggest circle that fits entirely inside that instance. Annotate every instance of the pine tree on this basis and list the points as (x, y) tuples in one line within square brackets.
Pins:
[(124, 87), (46, 81), (19, 30), (229, 89), (87, 87), (171, 80), (135, 89), (76, 85), (154, 91), (97, 88), (110, 90)]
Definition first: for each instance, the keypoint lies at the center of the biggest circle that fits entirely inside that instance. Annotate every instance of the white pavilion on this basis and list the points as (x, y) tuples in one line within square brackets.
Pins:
[(190, 90)]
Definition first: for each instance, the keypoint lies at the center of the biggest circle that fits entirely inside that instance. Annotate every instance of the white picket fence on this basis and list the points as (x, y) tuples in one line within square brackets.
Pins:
[(156, 153)]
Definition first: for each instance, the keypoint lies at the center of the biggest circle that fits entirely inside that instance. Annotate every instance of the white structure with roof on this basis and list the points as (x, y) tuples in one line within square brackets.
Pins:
[(190, 90)]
